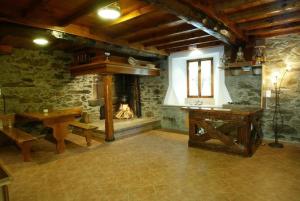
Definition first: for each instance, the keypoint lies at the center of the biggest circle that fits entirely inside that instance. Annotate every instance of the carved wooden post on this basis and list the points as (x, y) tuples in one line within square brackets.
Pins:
[(109, 127)]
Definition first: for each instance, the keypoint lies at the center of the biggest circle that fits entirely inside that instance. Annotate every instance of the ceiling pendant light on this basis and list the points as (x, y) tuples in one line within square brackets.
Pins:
[(41, 41), (110, 12)]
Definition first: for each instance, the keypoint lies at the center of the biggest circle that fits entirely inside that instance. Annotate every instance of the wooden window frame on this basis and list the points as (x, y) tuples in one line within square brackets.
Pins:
[(199, 77)]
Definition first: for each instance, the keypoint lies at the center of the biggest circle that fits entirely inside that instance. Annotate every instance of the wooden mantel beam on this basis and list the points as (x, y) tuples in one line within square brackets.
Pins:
[(85, 10), (196, 18)]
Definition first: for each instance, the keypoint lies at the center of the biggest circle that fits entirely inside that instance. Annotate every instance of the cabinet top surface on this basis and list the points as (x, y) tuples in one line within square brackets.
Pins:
[(218, 110)]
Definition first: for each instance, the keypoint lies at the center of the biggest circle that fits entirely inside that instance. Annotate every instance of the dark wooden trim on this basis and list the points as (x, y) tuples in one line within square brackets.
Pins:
[(199, 77)]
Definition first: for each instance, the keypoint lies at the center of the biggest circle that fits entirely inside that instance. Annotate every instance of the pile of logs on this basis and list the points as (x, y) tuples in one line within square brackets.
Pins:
[(124, 112)]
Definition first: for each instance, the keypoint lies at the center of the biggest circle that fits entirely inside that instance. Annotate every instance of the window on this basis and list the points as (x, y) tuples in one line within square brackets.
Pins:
[(200, 78)]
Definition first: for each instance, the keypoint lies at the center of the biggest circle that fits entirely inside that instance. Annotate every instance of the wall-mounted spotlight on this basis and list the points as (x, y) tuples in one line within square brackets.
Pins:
[(41, 41)]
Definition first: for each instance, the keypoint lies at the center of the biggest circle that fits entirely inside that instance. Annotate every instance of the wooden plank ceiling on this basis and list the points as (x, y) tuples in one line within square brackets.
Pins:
[(156, 27)]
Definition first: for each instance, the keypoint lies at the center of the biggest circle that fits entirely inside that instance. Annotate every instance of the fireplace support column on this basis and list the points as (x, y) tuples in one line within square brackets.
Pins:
[(109, 124)]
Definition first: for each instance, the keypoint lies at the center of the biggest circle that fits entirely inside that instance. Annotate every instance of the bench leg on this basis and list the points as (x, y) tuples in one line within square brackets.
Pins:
[(88, 135), (26, 148)]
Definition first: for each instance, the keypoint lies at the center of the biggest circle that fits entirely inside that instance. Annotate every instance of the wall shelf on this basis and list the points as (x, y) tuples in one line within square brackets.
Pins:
[(240, 65), (242, 68)]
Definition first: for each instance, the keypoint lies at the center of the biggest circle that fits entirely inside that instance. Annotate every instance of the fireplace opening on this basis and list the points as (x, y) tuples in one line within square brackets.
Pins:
[(126, 100), (124, 111)]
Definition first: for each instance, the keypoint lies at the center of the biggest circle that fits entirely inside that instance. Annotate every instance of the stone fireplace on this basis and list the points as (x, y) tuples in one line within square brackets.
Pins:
[(126, 96)]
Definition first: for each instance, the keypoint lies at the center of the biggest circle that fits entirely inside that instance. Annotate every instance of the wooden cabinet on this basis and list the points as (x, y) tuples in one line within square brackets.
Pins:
[(233, 130)]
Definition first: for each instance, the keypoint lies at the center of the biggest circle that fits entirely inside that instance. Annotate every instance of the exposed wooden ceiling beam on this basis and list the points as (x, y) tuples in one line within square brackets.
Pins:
[(208, 8), (271, 21), (188, 43), (166, 35), (197, 18), (134, 37), (132, 15), (279, 32), (265, 11), (237, 5), (100, 40), (178, 49), (179, 38), (33, 5), (276, 29), (89, 7), (183, 28)]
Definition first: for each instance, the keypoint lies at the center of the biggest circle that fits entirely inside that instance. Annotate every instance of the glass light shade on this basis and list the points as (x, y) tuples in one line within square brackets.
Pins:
[(289, 67), (109, 13), (275, 77), (41, 41)]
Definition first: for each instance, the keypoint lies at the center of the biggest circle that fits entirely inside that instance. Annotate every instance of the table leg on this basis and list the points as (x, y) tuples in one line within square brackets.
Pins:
[(88, 135), (26, 148), (60, 131)]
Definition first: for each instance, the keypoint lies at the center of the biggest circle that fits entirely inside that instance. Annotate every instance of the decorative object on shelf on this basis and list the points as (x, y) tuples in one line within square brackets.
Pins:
[(247, 68), (82, 58), (235, 72), (224, 60), (259, 57), (134, 62), (240, 55), (256, 71), (277, 115), (107, 54)]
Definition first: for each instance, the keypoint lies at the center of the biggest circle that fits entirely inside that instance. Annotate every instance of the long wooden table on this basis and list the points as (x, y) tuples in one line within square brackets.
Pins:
[(57, 120), (238, 130)]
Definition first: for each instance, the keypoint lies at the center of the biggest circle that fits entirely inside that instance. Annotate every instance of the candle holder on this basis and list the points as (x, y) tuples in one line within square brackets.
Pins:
[(277, 116)]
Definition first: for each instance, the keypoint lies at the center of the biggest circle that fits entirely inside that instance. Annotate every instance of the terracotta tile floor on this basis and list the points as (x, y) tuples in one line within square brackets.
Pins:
[(156, 166)]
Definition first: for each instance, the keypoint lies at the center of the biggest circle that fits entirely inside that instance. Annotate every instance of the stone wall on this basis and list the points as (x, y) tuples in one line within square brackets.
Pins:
[(174, 118), (153, 91), (282, 51), (33, 80), (244, 88)]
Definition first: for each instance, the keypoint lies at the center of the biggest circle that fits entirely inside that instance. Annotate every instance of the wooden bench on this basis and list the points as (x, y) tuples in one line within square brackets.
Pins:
[(21, 138), (87, 130)]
